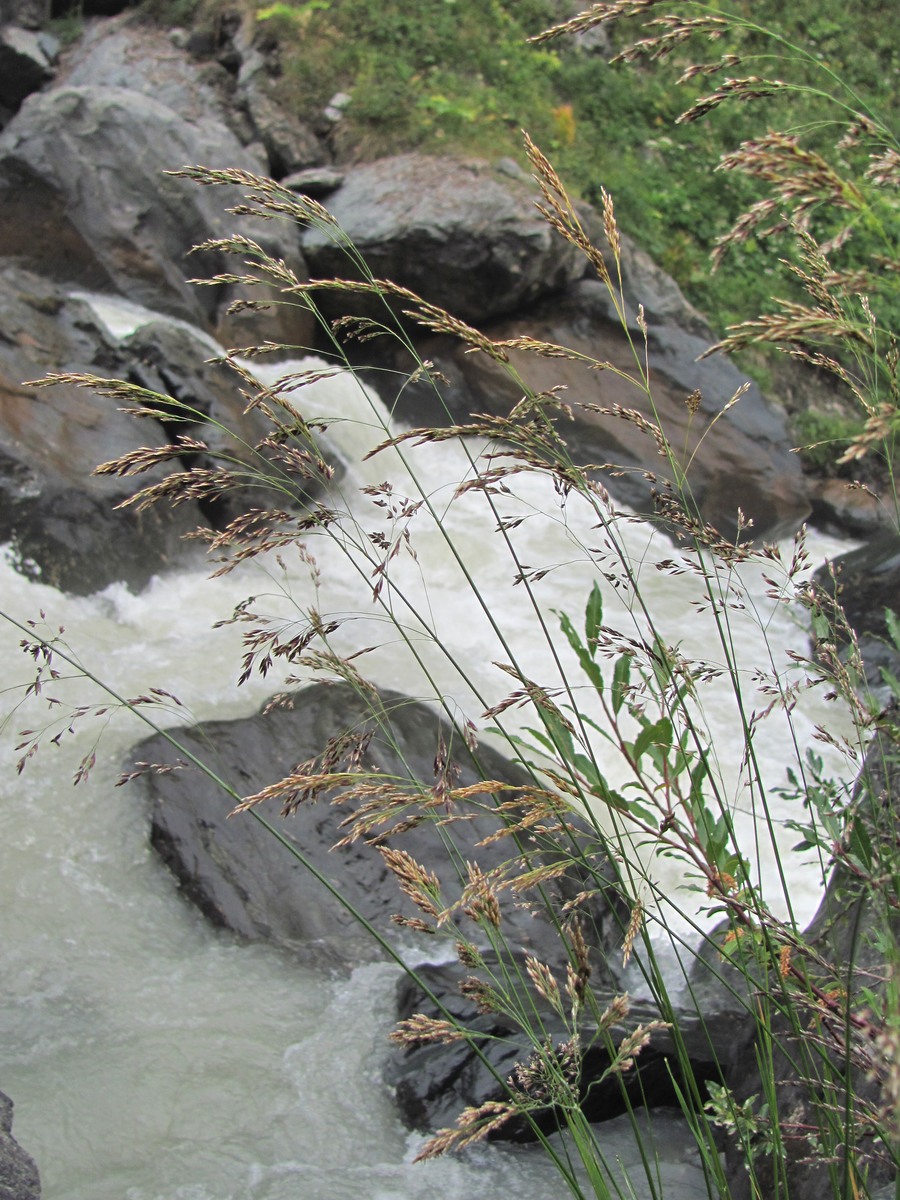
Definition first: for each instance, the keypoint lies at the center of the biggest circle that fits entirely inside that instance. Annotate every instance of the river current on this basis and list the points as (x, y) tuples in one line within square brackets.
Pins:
[(154, 1058)]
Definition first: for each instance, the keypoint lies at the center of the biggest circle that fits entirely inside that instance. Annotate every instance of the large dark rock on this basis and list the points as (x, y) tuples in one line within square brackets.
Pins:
[(77, 203), (242, 878), (29, 14), (463, 234), (19, 1179), (866, 582), (61, 520), (434, 1084)]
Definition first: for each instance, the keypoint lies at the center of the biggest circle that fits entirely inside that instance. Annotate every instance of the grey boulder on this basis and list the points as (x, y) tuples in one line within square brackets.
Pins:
[(463, 234), (85, 199)]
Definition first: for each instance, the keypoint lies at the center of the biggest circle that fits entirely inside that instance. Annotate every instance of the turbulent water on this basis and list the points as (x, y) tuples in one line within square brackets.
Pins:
[(151, 1057)]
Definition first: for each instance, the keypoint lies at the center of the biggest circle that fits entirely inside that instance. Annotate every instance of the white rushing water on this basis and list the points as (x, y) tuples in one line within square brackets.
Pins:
[(153, 1058)]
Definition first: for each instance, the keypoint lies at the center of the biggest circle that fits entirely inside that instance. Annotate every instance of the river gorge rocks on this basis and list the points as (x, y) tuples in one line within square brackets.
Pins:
[(81, 211), (19, 1179)]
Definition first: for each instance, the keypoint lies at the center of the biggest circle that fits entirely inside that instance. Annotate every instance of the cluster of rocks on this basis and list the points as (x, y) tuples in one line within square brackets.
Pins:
[(239, 875), (81, 212)]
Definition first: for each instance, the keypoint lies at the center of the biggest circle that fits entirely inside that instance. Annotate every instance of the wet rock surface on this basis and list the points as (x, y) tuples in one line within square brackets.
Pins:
[(19, 1179), (61, 521), (433, 1084), (241, 877)]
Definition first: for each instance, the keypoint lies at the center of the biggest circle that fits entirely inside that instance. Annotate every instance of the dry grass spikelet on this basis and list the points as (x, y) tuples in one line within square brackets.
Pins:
[(421, 886), (597, 14), (615, 1012), (473, 1125), (559, 211), (633, 1043), (634, 925), (479, 899), (485, 998), (419, 1030), (544, 982)]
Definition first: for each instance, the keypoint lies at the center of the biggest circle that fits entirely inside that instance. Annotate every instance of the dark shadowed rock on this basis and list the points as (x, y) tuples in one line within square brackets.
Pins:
[(77, 204), (169, 358), (242, 878), (434, 1084), (868, 582), (26, 63), (19, 1179), (60, 520), (462, 234)]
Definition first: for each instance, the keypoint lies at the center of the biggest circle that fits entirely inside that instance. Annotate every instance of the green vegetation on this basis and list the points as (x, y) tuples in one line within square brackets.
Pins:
[(459, 74)]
